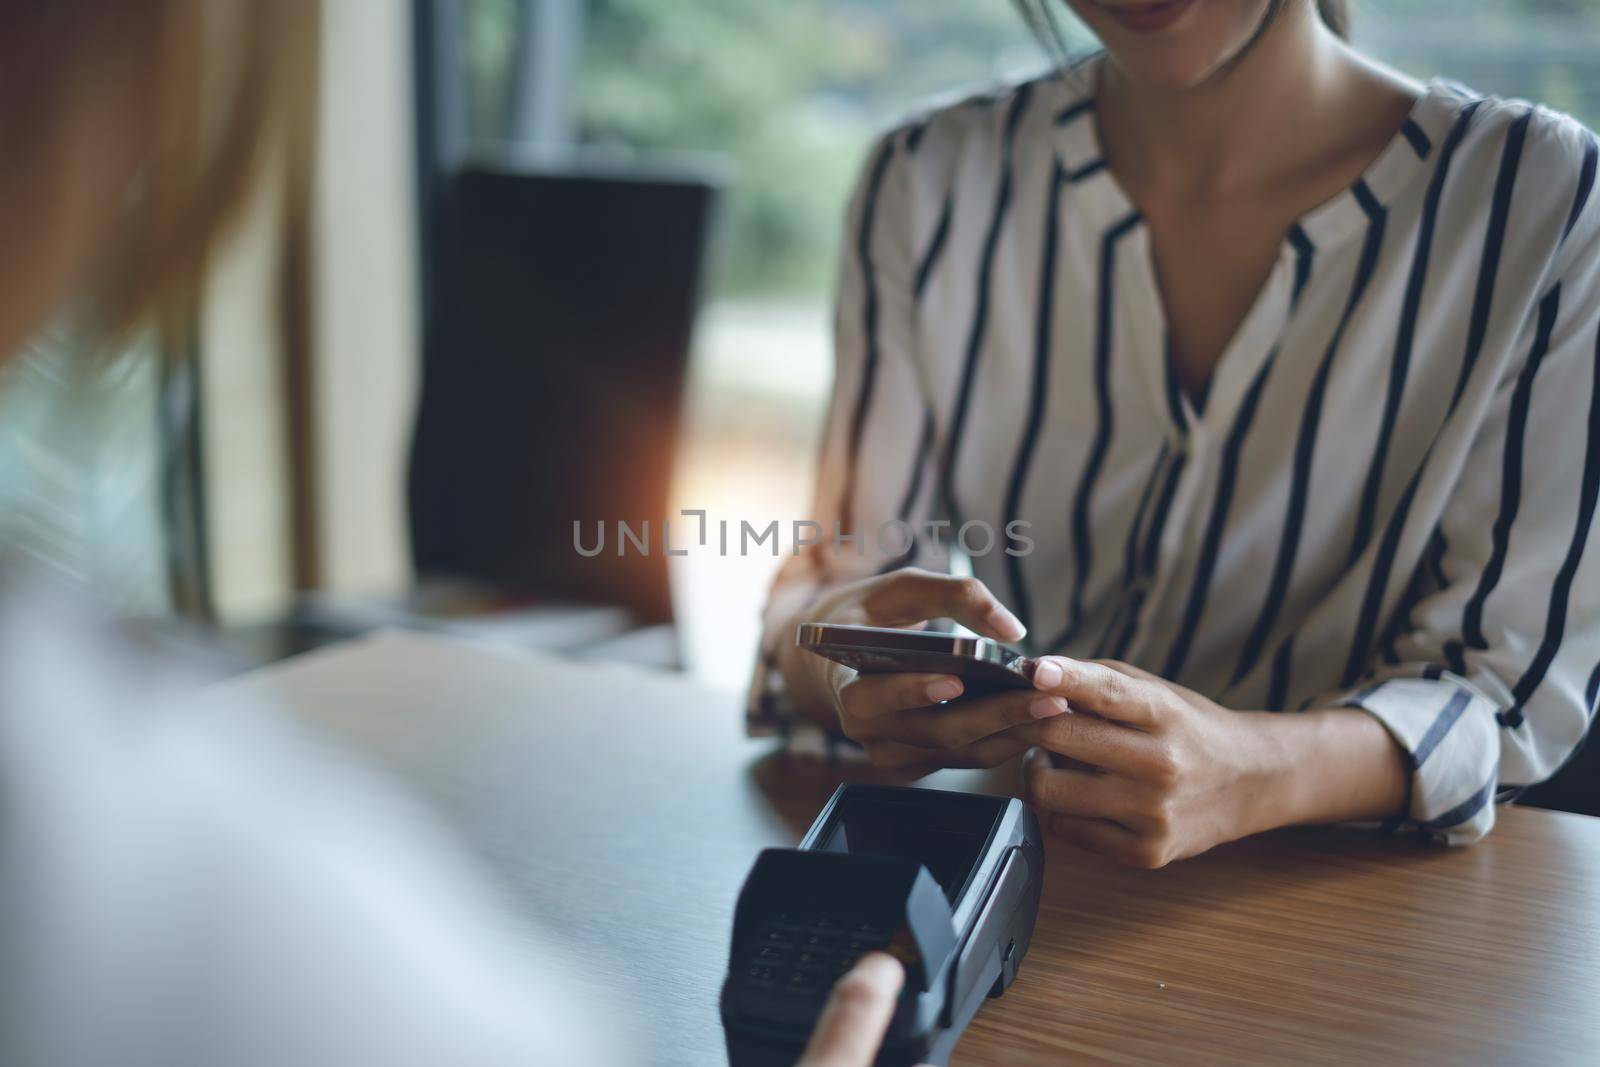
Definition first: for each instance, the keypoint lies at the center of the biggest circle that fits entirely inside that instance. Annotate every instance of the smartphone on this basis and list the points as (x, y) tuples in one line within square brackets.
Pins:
[(984, 666)]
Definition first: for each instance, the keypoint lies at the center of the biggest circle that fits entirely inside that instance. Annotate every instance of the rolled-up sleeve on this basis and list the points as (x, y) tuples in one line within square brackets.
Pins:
[(1448, 732), (1491, 683)]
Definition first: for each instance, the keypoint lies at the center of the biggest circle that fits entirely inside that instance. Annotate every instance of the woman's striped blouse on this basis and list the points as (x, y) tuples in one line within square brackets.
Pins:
[(1385, 499)]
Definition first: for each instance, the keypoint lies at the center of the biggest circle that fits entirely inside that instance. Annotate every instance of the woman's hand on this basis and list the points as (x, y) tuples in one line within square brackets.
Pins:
[(902, 720), (1155, 772)]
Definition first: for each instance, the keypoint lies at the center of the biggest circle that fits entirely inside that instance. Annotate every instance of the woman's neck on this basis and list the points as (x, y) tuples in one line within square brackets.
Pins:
[(1298, 99)]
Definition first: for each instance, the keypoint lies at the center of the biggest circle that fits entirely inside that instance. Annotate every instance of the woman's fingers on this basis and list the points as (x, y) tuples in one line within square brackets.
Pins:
[(1089, 739), (869, 697), (853, 1021), (1001, 748), (944, 726), (968, 721), (914, 761), (1086, 793), (1103, 690), (912, 595), (1129, 669)]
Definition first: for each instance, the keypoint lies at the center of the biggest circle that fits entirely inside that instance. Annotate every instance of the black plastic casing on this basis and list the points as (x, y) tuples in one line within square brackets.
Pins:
[(957, 950)]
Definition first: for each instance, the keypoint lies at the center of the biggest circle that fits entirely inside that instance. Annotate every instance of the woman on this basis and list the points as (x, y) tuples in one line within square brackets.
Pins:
[(1288, 364), (185, 880)]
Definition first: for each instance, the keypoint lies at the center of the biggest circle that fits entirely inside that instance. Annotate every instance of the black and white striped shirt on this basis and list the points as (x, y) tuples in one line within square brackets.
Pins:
[(1385, 498)]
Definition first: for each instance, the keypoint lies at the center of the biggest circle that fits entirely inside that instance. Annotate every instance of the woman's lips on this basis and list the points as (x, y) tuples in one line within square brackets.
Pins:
[(1146, 17)]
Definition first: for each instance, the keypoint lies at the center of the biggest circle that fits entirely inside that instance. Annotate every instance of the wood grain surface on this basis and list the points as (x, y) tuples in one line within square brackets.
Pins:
[(622, 809)]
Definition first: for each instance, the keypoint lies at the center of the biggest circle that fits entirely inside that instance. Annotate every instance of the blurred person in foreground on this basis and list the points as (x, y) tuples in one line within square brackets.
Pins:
[(187, 883)]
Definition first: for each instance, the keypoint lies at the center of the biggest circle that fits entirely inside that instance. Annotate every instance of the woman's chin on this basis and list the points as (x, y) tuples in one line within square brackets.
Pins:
[(1169, 70), (1202, 38)]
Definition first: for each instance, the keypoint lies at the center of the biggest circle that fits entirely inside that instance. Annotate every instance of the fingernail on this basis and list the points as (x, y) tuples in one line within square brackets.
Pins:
[(1045, 707), (1046, 673), (1007, 625), (882, 970), (944, 689)]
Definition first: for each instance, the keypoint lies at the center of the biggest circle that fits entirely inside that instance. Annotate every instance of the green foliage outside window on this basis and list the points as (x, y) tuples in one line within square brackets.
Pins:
[(791, 90)]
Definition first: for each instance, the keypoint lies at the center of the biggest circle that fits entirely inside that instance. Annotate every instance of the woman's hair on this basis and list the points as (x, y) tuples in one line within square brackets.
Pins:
[(1336, 16), (1042, 18), (198, 84)]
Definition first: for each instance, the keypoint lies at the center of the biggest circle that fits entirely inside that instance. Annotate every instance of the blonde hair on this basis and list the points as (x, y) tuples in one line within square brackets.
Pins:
[(203, 82)]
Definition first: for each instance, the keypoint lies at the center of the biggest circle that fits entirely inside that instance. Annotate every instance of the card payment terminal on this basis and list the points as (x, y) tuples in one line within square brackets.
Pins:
[(947, 882)]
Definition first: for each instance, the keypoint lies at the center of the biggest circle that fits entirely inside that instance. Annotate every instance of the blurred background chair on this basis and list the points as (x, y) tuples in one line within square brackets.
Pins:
[(558, 301), (553, 399)]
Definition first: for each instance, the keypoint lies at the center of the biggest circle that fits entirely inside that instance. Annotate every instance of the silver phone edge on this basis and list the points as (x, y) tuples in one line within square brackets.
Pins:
[(811, 635)]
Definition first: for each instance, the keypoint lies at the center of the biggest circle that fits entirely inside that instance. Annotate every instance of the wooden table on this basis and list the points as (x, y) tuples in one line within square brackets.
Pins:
[(624, 808)]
